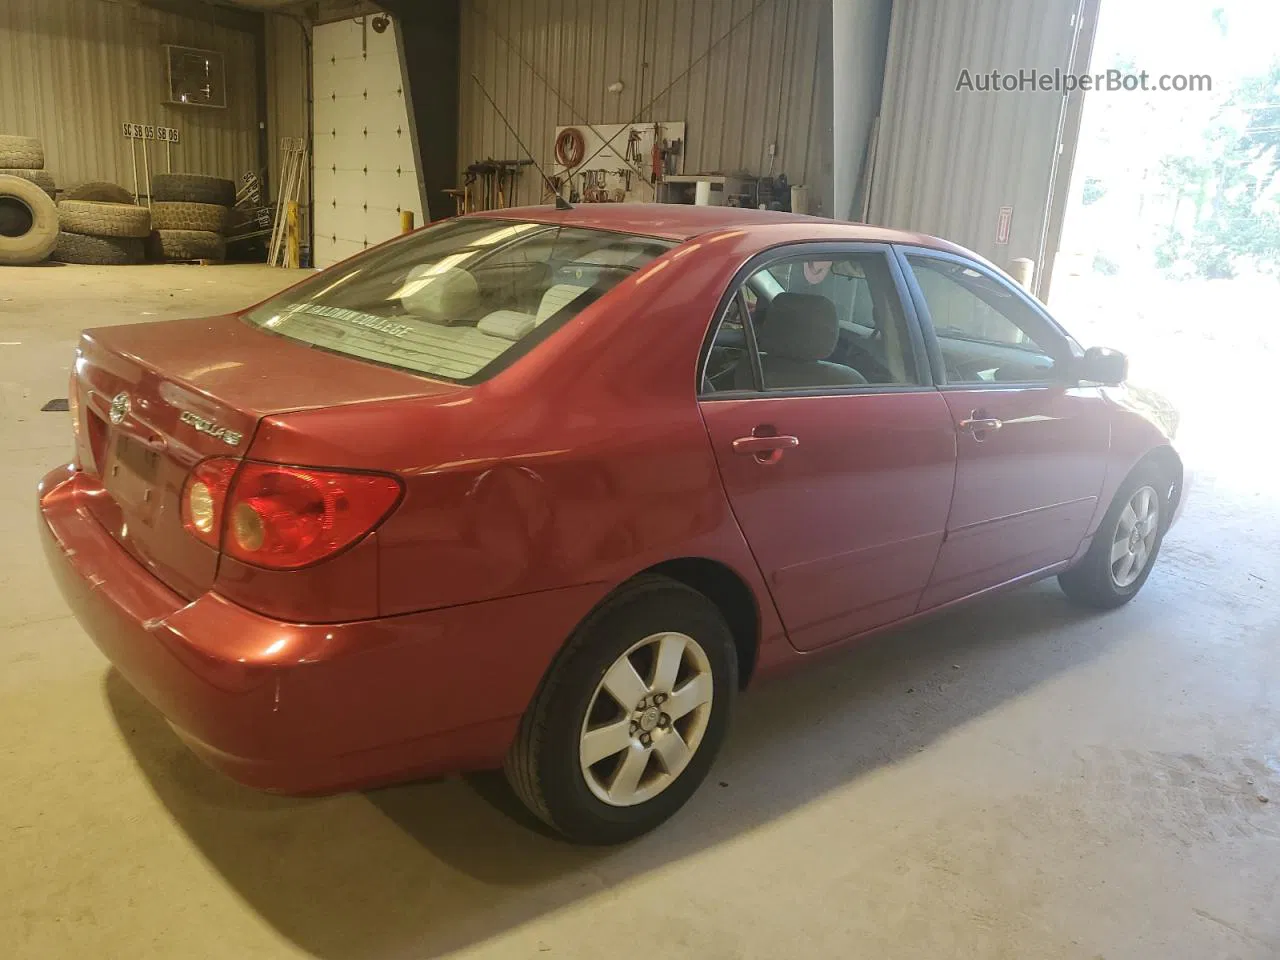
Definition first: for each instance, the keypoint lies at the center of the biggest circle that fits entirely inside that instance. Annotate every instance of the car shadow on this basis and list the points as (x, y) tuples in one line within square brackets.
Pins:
[(427, 868)]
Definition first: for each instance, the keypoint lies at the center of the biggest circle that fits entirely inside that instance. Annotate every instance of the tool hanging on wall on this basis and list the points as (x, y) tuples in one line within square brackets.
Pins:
[(658, 159), (498, 181), (571, 146), (633, 148)]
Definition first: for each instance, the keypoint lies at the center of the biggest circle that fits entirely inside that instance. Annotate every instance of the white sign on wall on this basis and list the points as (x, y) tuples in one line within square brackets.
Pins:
[(1003, 222), (148, 131)]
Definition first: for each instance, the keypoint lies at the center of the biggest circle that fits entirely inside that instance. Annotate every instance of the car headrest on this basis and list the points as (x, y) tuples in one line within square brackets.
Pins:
[(508, 324), (800, 326), (443, 297)]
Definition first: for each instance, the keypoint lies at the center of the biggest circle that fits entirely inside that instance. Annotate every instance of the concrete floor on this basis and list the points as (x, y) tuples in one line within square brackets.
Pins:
[(1019, 780)]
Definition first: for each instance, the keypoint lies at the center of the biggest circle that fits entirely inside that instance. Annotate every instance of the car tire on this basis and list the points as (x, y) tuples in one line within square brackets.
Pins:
[(112, 251), (23, 153), (28, 222), (41, 178), (192, 188), (547, 765), (187, 245), (180, 215), (99, 191), (1120, 558), (104, 219)]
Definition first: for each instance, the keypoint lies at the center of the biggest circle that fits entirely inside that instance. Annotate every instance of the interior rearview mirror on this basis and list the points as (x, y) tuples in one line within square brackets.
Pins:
[(1103, 365)]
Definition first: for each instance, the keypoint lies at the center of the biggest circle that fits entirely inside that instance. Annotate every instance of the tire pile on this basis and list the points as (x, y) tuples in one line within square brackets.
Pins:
[(99, 222), (189, 216), (101, 231), (28, 217)]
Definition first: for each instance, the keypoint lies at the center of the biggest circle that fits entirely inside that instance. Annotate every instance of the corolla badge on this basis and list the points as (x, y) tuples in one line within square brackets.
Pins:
[(120, 407), (230, 437)]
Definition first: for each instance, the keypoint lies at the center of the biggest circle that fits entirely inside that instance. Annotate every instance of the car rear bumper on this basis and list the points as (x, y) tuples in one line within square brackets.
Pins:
[(308, 708)]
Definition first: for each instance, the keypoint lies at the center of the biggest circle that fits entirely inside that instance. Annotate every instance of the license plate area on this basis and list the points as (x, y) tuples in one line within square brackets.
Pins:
[(132, 473)]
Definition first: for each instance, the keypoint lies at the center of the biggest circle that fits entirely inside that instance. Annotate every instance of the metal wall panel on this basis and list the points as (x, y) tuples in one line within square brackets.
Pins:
[(287, 106), (860, 38), (549, 62), (72, 70), (286, 86), (948, 160)]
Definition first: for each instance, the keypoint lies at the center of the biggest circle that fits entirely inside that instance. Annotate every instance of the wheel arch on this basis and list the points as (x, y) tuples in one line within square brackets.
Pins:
[(1165, 459), (727, 589)]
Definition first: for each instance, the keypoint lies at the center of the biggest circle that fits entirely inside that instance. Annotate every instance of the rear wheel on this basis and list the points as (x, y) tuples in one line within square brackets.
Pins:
[(631, 716), (1125, 545)]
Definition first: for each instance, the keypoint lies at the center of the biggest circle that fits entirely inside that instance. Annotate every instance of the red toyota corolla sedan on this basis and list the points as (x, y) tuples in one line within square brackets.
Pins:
[(548, 488)]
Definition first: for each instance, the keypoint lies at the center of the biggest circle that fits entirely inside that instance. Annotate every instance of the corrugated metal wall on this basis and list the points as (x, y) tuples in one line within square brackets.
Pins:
[(948, 160), (287, 105), (760, 86), (72, 70), (860, 38)]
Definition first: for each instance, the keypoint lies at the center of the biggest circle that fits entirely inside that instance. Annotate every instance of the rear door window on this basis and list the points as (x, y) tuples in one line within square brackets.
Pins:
[(458, 301), (833, 320)]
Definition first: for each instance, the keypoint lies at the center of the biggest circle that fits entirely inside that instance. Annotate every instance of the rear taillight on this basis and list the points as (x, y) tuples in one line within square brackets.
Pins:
[(284, 517), (205, 496)]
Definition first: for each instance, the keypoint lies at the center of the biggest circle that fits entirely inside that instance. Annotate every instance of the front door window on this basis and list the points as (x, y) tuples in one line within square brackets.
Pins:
[(986, 332)]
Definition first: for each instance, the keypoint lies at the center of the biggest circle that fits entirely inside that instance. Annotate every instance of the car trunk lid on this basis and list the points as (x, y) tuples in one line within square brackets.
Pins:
[(153, 400)]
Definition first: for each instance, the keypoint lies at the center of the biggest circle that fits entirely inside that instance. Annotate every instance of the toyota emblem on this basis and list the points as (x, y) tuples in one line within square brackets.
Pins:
[(119, 407)]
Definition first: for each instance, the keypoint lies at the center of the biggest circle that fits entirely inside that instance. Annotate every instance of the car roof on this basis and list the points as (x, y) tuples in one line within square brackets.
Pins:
[(680, 221)]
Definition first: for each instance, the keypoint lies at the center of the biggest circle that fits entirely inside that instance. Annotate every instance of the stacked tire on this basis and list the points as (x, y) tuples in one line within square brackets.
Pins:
[(24, 157), (99, 190), (28, 216), (98, 232), (189, 215)]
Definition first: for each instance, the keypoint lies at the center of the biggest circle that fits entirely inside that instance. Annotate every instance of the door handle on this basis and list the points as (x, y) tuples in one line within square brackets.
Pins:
[(977, 425), (765, 449)]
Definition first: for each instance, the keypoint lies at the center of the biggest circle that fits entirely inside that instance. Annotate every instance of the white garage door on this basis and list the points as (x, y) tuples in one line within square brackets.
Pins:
[(365, 173)]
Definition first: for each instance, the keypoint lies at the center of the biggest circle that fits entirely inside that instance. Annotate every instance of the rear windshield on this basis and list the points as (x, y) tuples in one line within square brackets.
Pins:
[(458, 301)]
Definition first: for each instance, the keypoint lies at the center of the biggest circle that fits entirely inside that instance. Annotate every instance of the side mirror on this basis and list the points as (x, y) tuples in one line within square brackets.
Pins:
[(1102, 365)]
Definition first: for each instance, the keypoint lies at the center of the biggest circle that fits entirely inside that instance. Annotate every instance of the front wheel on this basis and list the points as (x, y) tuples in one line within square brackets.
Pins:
[(1125, 545), (630, 717)]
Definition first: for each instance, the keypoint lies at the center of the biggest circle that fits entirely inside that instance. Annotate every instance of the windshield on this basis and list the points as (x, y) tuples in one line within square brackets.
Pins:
[(458, 301)]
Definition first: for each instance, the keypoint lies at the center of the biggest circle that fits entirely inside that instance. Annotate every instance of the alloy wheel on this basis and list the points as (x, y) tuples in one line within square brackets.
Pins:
[(1135, 536), (646, 719)]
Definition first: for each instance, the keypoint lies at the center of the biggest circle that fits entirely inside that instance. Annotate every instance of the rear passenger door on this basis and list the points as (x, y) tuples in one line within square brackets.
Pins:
[(836, 452)]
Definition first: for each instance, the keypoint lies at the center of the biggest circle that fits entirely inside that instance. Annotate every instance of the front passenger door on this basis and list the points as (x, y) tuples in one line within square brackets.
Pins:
[(1031, 447)]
